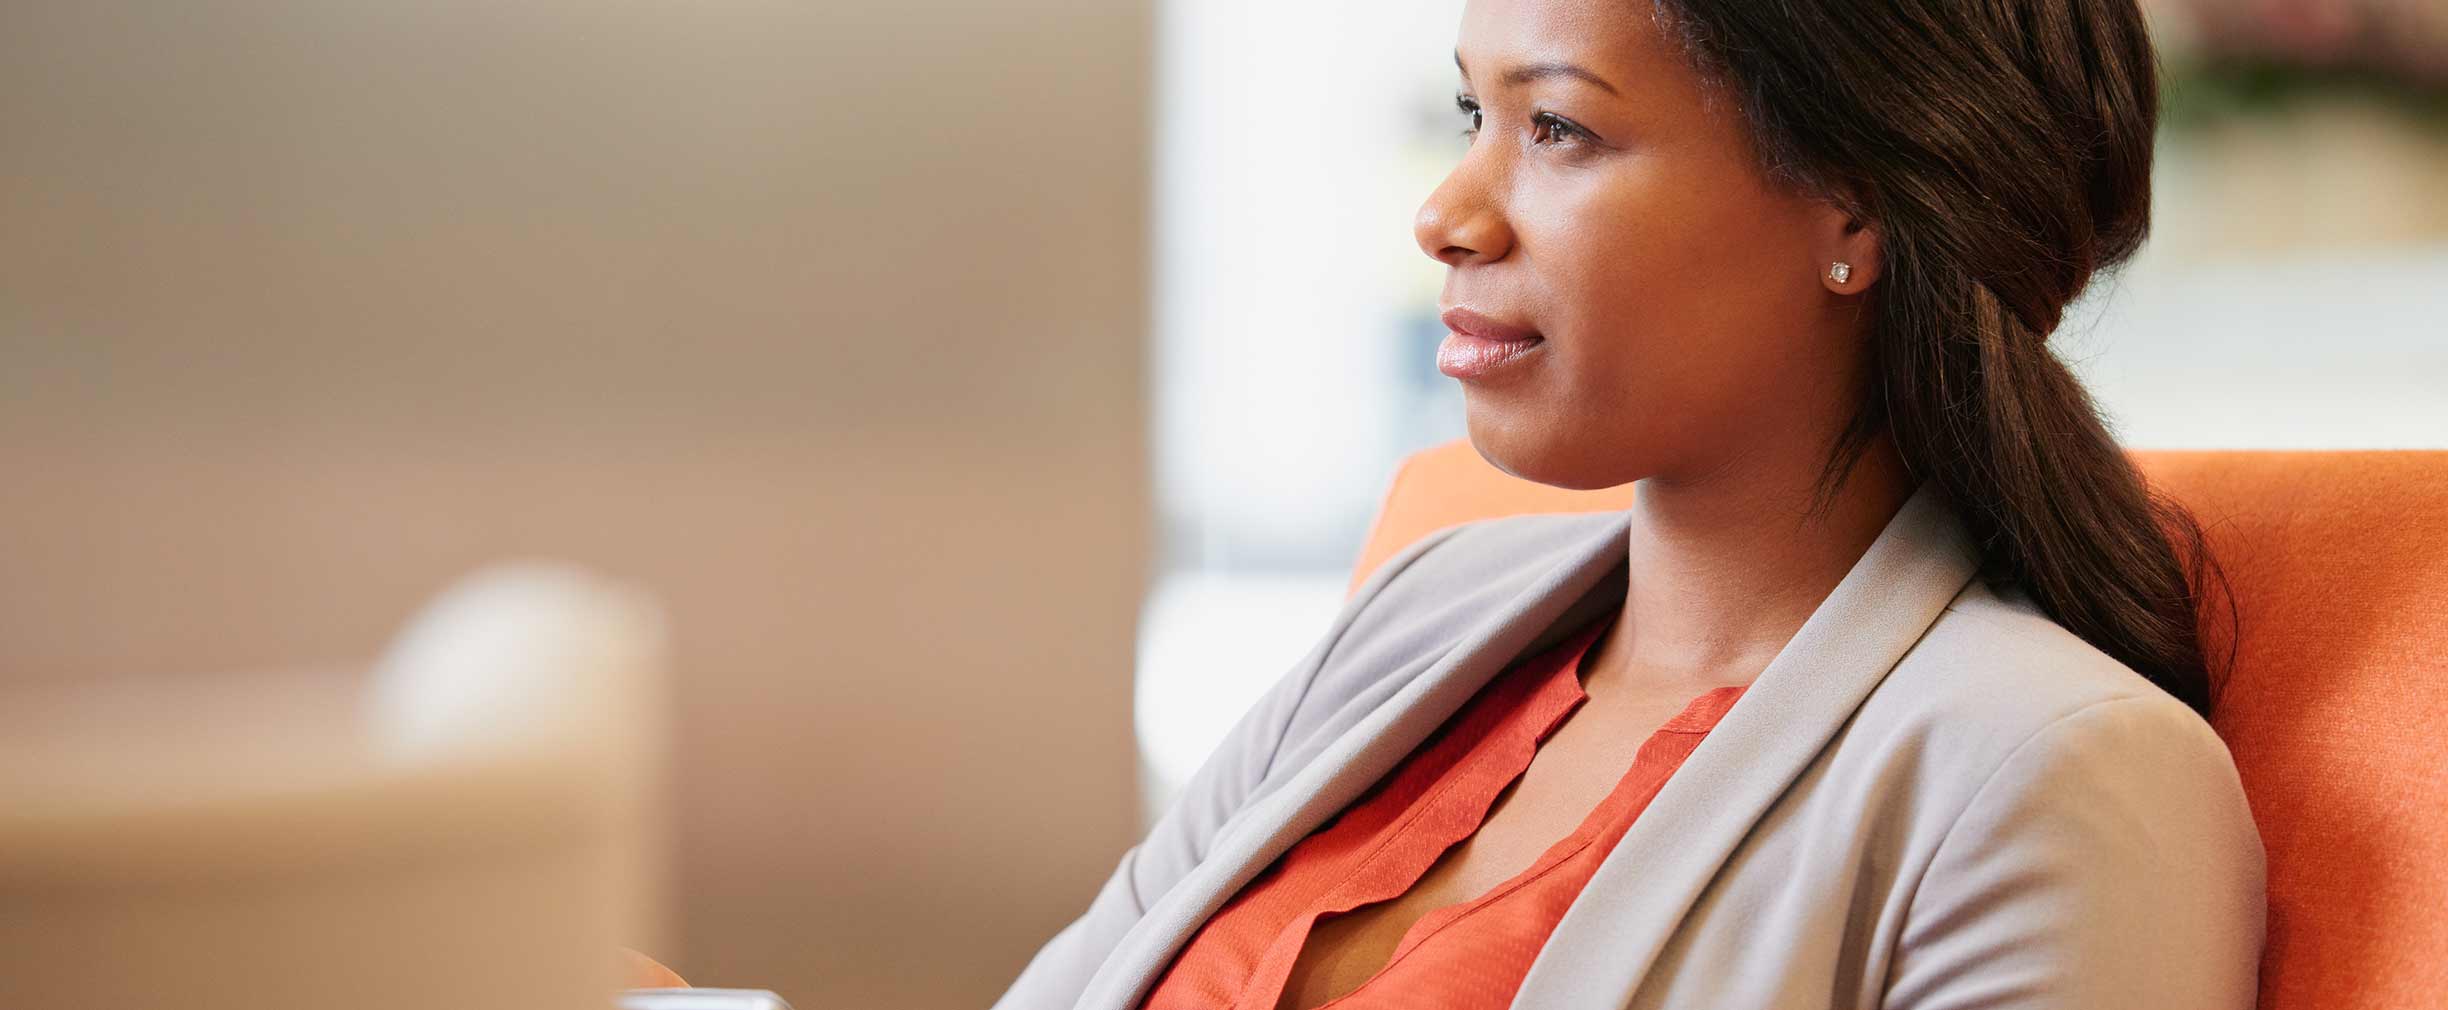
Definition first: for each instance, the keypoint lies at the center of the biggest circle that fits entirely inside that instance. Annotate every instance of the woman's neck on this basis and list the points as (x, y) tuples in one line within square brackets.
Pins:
[(1725, 569)]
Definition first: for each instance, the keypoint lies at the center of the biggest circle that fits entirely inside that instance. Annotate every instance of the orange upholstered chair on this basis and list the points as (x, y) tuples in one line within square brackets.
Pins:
[(2336, 709)]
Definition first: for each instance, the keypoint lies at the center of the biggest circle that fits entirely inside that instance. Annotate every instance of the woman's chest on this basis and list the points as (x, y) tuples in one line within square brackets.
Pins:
[(1557, 795)]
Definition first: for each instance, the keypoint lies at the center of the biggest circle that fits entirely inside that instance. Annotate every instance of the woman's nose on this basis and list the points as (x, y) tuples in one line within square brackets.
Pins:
[(1458, 224)]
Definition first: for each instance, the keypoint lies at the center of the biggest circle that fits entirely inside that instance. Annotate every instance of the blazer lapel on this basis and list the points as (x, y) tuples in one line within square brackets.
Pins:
[(1611, 935), (1357, 759)]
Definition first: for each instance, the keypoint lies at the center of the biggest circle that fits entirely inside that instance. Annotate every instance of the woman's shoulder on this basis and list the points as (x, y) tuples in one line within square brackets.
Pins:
[(2022, 760), (2050, 802), (1995, 677), (1995, 647)]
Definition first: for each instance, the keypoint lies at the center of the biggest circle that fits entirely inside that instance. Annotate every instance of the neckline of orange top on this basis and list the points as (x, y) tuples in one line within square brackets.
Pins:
[(1470, 955)]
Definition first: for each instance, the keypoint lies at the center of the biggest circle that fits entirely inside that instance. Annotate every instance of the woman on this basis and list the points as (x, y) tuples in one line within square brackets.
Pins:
[(1885, 693)]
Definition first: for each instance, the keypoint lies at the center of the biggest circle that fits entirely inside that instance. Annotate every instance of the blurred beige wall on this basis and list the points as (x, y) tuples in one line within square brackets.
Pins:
[(823, 322)]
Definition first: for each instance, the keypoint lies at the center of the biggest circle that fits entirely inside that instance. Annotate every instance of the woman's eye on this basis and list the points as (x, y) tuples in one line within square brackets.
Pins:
[(1547, 127), (1471, 109)]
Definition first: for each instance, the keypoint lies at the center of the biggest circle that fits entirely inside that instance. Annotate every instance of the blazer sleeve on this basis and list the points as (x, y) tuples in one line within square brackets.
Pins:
[(1179, 840), (2110, 861)]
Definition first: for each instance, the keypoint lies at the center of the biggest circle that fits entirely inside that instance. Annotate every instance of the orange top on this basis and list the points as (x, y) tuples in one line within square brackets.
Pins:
[(1467, 956)]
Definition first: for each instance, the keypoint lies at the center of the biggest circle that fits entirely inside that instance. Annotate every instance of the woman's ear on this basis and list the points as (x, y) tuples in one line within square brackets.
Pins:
[(1851, 253)]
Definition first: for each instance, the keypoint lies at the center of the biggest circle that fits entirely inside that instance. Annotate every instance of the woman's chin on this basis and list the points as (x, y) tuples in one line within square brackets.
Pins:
[(1544, 450)]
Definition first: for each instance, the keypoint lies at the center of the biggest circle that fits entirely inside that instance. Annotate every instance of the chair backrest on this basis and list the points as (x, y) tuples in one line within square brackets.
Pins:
[(2336, 708)]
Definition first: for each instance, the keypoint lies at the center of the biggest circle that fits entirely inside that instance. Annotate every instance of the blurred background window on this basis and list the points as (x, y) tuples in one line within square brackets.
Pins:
[(2291, 294)]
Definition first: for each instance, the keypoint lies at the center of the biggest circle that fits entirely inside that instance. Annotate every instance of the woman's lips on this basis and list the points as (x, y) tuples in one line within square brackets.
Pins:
[(1480, 346)]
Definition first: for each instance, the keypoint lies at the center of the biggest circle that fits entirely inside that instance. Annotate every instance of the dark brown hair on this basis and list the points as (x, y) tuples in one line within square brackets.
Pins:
[(2002, 150)]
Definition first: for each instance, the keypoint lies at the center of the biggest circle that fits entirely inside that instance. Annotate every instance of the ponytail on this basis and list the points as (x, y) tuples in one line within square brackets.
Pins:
[(2057, 507)]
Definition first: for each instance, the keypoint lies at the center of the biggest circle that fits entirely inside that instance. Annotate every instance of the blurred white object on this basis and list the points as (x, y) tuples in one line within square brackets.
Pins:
[(701, 999), (465, 829), (530, 657), (1210, 643)]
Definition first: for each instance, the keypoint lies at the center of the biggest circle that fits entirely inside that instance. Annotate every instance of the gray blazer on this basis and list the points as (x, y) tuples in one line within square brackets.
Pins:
[(1933, 797)]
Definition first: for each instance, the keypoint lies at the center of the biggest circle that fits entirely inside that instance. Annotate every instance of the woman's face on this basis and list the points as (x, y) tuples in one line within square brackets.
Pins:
[(1683, 315)]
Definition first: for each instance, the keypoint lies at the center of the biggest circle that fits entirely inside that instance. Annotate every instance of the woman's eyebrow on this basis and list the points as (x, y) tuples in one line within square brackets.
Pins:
[(1529, 72)]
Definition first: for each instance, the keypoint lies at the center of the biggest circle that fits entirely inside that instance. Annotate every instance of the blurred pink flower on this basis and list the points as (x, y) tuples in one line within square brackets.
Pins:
[(2404, 39)]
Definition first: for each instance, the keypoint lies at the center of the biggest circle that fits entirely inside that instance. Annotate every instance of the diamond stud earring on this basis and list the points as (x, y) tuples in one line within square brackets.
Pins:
[(1839, 271)]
